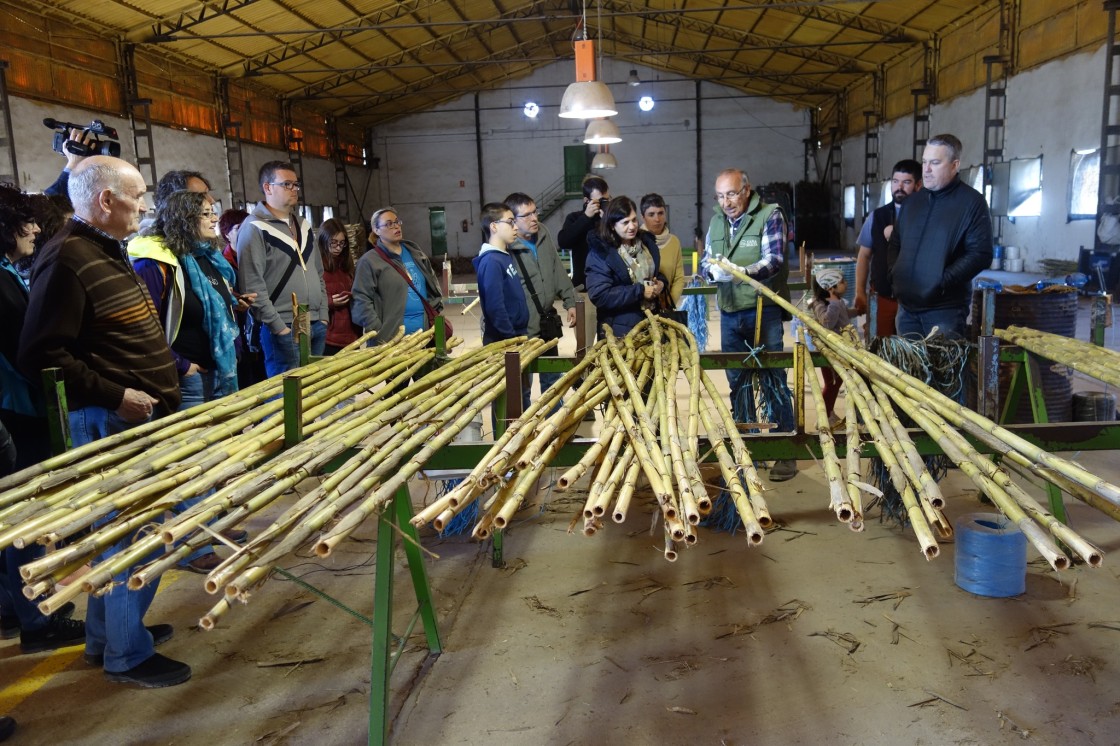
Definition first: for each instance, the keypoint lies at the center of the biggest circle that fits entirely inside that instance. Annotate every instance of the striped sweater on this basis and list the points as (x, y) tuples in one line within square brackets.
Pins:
[(91, 316)]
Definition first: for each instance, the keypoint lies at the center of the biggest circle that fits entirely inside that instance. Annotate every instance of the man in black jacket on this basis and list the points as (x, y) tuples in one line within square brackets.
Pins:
[(871, 264), (942, 240), (573, 234)]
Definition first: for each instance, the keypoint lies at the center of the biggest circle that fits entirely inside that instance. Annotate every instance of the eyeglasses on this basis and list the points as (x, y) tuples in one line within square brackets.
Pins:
[(210, 215), (730, 195), (533, 214), (510, 221), (392, 223), (294, 186), (338, 244)]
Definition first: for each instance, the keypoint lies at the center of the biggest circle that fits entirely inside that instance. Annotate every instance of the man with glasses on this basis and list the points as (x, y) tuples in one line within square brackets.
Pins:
[(276, 258), (752, 235), (534, 252)]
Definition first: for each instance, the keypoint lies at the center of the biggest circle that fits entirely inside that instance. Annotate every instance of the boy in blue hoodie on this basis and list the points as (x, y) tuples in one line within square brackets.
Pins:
[(505, 313)]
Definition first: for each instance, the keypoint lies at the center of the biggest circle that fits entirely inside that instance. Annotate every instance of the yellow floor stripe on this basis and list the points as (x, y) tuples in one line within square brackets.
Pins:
[(37, 677)]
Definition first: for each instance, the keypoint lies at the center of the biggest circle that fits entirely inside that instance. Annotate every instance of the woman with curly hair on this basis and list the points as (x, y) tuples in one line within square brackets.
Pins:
[(21, 407), (338, 276), (180, 261)]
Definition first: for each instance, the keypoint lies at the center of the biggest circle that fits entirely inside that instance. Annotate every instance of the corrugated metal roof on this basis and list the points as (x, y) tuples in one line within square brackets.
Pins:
[(372, 60)]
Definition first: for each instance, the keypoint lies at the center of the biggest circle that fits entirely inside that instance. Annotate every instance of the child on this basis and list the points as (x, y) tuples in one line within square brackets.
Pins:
[(505, 314), (829, 287)]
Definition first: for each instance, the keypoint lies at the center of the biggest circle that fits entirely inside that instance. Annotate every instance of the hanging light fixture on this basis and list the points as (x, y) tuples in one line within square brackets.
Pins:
[(604, 159), (587, 98), (633, 81), (602, 132)]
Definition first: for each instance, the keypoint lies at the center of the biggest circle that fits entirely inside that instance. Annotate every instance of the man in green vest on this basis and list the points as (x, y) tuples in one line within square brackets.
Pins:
[(751, 235)]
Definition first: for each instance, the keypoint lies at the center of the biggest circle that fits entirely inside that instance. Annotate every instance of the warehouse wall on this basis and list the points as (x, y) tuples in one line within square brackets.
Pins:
[(174, 149), (429, 158), (1051, 110)]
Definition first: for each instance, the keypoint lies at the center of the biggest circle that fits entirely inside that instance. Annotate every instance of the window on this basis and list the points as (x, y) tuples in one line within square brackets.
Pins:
[(850, 203), (1084, 173), (328, 212), (886, 196), (1024, 198)]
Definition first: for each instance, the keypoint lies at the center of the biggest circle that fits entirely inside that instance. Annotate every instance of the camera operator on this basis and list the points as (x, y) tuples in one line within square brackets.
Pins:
[(59, 186), (573, 234)]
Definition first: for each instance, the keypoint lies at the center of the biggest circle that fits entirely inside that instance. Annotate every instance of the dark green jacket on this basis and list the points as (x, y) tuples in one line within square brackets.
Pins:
[(745, 248)]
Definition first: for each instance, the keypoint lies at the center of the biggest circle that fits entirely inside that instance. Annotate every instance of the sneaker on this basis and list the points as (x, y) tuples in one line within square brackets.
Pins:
[(10, 626), (204, 564), (236, 535), (58, 633), (154, 673), (783, 470), (7, 728), (160, 633)]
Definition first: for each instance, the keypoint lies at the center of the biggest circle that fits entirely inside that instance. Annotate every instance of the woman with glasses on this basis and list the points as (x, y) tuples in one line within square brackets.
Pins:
[(622, 268), (394, 283), (338, 274), (180, 261)]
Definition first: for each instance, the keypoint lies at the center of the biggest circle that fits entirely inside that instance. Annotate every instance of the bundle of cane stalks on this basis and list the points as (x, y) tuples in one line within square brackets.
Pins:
[(634, 382), (361, 417), (877, 392)]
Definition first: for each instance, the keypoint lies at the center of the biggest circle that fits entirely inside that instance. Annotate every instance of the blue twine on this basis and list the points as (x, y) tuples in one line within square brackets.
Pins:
[(991, 555), (465, 519), (724, 516), (697, 308)]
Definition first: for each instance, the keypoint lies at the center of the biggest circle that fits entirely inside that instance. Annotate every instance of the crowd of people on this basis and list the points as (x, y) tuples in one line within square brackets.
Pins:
[(150, 314)]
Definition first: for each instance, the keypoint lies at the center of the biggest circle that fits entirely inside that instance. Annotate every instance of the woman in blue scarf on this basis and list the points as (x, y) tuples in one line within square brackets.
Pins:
[(180, 261)]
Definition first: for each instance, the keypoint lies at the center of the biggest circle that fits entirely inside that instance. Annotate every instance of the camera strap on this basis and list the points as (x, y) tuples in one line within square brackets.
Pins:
[(529, 283)]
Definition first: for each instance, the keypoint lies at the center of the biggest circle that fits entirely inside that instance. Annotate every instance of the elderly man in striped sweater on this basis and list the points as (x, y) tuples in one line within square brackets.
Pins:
[(89, 315)]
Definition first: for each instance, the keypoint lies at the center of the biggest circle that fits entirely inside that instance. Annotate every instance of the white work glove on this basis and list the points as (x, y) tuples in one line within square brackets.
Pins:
[(718, 274)]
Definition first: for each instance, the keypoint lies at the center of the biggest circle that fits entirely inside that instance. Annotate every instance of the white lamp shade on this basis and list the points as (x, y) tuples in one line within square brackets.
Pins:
[(587, 100), (604, 160), (602, 132)]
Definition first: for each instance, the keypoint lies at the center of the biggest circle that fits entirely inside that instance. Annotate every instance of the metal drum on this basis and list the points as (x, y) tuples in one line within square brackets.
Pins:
[(1053, 310)]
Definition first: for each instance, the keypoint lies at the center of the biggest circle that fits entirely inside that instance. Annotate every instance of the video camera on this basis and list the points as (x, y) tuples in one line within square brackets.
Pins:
[(63, 144)]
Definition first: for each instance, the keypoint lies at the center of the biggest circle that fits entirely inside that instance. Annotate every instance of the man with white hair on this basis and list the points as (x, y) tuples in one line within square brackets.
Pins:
[(89, 315), (751, 234)]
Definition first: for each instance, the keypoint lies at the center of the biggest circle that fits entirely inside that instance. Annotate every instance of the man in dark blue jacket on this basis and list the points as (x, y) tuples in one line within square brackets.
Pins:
[(942, 240)]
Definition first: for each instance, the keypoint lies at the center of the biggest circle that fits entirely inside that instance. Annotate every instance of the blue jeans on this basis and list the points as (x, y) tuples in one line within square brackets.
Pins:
[(737, 335), (195, 389), (281, 353), (949, 321), (115, 621), (12, 600)]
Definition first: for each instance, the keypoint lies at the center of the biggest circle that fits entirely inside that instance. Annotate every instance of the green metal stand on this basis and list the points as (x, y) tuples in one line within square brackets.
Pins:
[(58, 412), (1025, 381), (396, 518)]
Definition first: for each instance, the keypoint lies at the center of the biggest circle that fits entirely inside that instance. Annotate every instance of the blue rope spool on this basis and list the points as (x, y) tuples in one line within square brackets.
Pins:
[(991, 555)]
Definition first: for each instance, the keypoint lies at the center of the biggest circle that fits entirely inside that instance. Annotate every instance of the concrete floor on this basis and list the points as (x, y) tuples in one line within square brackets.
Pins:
[(600, 640)]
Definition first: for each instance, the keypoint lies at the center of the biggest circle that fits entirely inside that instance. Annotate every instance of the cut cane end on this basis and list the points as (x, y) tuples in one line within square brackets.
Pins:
[(932, 552)]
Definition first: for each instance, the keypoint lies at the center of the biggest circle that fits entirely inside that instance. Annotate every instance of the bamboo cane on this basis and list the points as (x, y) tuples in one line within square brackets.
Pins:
[(838, 501)]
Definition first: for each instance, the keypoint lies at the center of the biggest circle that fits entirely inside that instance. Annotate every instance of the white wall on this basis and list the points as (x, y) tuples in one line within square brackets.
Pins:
[(429, 158), (1051, 110)]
